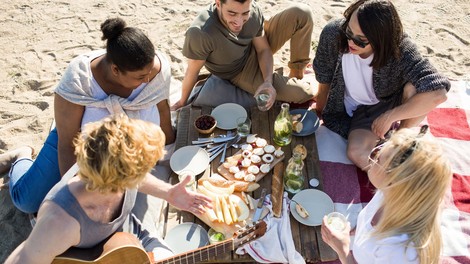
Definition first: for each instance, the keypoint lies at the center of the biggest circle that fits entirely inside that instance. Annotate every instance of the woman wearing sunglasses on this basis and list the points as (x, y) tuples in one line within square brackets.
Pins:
[(401, 222), (371, 77)]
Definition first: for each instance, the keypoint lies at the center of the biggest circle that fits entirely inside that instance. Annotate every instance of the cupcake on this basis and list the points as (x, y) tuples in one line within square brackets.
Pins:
[(278, 153), (246, 162), (250, 177), (268, 158), (246, 154), (247, 147), (261, 142), (234, 169), (258, 151), (240, 175), (251, 138), (253, 169), (255, 159), (269, 149), (265, 168)]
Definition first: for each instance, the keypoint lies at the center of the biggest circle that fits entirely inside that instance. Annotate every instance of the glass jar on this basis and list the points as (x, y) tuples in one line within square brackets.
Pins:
[(293, 176), (283, 127)]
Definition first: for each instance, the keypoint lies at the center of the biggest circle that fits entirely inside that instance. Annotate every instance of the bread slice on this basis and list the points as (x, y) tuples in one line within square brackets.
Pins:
[(277, 189)]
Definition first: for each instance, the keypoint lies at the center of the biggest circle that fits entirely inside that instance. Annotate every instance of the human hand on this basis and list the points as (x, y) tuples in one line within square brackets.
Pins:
[(177, 105), (338, 240), (319, 104), (269, 89), (382, 124), (190, 201)]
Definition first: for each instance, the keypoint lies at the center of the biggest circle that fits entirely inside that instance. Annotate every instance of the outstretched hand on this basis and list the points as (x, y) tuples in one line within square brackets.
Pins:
[(190, 201)]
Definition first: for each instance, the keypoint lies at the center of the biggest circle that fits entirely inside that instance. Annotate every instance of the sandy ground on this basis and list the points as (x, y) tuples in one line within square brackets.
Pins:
[(39, 38)]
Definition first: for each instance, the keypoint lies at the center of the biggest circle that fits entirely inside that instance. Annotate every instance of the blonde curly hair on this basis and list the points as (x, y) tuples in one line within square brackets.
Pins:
[(117, 152)]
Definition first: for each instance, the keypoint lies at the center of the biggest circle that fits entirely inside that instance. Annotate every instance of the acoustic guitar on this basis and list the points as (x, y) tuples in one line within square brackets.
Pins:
[(125, 248)]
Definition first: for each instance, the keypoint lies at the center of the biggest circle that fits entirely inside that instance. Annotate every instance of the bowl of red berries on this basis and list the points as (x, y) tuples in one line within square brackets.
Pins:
[(205, 124)]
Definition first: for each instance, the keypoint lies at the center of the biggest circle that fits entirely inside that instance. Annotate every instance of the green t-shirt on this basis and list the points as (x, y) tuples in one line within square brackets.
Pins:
[(225, 53)]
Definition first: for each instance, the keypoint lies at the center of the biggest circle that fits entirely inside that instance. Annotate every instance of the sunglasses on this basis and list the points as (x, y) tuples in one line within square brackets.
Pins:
[(358, 42), (375, 153)]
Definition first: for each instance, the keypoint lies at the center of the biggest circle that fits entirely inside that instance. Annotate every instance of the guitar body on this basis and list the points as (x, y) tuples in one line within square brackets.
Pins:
[(119, 248)]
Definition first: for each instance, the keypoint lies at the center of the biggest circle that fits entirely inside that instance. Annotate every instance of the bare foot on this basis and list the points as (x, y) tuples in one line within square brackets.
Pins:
[(9, 157)]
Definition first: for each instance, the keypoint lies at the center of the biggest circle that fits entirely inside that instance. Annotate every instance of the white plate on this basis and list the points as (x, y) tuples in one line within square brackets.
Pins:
[(186, 237), (310, 123), (227, 115), (317, 204), (191, 158)]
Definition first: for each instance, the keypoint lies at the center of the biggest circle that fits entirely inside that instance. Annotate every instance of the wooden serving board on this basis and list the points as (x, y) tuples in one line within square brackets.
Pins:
[(229, 176)]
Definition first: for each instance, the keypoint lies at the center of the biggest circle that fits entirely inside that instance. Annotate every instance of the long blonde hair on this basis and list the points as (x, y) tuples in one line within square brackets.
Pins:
[(116, 153), (418, 176)]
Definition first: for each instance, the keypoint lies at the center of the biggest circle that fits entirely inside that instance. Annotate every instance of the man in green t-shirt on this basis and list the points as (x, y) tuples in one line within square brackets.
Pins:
[(233, 41)]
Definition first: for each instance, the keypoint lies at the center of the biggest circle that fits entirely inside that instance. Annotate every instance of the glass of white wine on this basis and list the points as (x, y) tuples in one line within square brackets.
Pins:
[(336, 221)]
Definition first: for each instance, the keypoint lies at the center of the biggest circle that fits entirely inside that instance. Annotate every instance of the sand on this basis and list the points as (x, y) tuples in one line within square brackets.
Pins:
[(39, 38)]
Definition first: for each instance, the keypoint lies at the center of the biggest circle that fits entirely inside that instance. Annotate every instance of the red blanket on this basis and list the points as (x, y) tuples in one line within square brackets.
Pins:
[(350, 189)]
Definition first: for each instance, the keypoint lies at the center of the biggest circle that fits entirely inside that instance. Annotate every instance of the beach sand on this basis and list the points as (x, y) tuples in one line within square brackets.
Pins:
[(39, 38)]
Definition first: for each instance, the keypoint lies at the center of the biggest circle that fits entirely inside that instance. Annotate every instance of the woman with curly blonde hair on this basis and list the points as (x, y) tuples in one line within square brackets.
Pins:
[(114, 157), (401, 222)]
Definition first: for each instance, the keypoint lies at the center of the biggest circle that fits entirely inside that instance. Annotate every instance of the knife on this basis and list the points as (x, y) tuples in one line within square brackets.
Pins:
[(259, 206)]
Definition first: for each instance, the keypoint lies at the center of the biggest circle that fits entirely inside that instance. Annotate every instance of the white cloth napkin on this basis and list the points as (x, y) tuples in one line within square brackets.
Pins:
[(276, 245)]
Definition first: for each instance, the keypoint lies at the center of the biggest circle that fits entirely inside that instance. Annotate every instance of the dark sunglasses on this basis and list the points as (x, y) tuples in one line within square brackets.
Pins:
[(356, 40)]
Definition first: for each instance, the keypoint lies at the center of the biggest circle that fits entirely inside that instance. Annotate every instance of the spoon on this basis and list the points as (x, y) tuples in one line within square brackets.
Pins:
[(298, 126)]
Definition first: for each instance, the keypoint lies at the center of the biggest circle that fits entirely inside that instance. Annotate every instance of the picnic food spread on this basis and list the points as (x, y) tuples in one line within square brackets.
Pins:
[(255, 159)]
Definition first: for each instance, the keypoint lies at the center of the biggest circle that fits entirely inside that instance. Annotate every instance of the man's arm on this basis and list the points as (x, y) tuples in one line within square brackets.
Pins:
[(54, 233), (266, 65), (177, 195), (190, 79)]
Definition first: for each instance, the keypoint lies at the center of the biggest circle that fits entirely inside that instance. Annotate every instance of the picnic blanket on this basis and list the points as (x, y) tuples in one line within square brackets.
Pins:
[(350, 189)]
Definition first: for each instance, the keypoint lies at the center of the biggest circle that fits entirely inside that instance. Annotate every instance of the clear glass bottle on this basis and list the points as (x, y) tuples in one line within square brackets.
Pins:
[(293, 176), (283, 127)]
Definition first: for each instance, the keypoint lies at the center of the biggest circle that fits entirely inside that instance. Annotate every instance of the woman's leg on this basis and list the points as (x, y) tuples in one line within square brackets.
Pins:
[(360, 144), (31, 181)]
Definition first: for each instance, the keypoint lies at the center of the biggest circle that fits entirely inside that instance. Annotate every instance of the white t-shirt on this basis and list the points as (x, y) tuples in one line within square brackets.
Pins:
[(367, 249), (357, 76)]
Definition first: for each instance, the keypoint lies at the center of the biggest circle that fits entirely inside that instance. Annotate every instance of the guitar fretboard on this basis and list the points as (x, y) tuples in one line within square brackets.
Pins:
[(200, 254)]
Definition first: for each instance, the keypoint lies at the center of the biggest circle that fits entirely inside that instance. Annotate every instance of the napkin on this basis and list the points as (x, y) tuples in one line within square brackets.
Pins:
[(276, 245)]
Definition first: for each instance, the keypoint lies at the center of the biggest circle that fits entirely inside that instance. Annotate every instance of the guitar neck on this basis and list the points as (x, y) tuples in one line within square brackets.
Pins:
[(200, 254)]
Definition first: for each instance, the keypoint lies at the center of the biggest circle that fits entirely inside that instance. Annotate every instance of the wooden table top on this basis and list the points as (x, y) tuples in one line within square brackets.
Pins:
[(307, 239)]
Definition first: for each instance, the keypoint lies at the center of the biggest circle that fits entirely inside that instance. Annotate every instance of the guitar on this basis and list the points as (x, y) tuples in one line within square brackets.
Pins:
[(125, 248)]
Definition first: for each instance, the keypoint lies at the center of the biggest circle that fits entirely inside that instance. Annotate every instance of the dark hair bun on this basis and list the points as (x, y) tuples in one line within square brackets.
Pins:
[(112, 28)]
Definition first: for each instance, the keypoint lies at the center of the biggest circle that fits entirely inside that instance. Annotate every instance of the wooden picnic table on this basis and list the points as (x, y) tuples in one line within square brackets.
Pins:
[(307, 239)]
